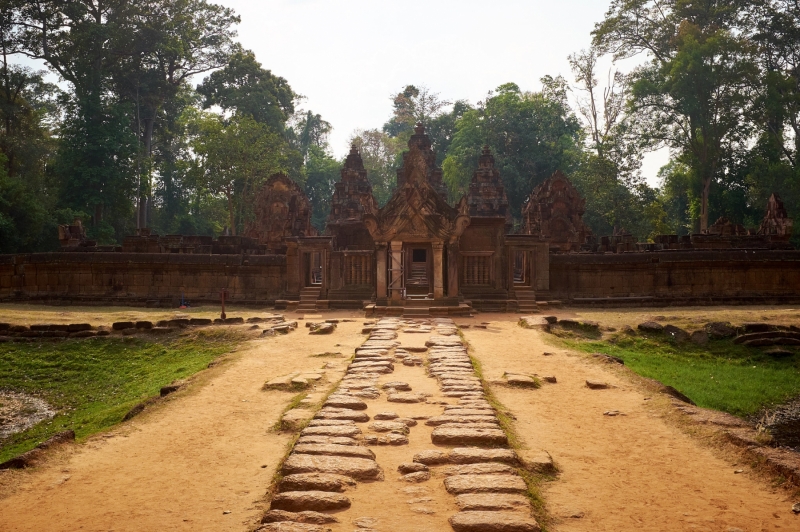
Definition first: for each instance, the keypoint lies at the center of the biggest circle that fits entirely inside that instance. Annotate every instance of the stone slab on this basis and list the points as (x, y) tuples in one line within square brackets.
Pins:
[(334, 450), (493, 522), (317, 501), (492, 502), (474, 455), (358, 468), (458, 484)]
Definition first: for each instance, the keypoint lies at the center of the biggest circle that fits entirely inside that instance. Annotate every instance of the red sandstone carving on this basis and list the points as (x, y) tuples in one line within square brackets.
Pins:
[(777, 223), (487, 195), (282, 210), (554, 213)]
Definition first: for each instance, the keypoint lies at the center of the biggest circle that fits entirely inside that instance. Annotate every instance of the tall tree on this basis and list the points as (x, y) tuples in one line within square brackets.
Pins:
[(412, 105), (244, 87), (234, 157), (693, 93), (532, 134), (160, 46), (380, 153)]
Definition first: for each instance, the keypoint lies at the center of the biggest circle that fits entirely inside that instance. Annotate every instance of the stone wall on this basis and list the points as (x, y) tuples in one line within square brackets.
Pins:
[(141, 278), (679, 277)]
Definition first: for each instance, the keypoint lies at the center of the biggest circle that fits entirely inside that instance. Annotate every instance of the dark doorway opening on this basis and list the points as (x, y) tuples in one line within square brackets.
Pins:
[(419, 255)]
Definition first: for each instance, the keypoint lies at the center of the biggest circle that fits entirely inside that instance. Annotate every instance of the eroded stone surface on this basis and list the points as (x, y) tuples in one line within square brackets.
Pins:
[(446, 435), (290, 526), (455, 419), (411, 467), (487, 468), (432, 457), (335, 450), (389, 426), (473, 455), (458, 484), (316, 518), (492, 502), (419, 476), (358, 468), (334, 430), (493, 522), (316, 482), (346, 401), (406, 397), (317, 501)]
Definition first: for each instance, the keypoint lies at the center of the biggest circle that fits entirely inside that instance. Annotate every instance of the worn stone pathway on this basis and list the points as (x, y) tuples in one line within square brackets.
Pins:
[(354, 467)]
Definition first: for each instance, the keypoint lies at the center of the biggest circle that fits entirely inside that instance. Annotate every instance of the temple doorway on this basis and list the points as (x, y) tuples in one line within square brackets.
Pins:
[(418, 270), (312, 264)]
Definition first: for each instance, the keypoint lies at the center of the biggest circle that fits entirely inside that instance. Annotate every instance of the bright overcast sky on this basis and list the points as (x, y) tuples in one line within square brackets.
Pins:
[(347, 57)]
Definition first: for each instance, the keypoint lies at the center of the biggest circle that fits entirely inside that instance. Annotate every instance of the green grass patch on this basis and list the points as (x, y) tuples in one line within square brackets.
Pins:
[(93, 383), (721, 375)]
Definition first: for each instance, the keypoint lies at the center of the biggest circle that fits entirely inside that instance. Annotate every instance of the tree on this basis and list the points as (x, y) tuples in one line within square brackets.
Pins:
[(234, 157), (532, 134), (380, 153), (411, 106), (159, 46), (322, 172), (244, 87), (694, 92)]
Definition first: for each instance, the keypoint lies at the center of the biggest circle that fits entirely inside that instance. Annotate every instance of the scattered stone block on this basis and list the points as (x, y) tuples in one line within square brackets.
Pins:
[(522, 381), (343, 414), (699, 337), (290, 526), (419, 476), (720, 329), (318, 501), (295, 418), (493, 522), (122, 325), (652, 327), (385, 416), (608, 358), (411, 467), (596, 385), (677, 334)]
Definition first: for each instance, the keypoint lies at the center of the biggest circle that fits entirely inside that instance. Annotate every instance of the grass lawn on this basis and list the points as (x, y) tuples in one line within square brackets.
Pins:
[(93, 383), (721, 375)]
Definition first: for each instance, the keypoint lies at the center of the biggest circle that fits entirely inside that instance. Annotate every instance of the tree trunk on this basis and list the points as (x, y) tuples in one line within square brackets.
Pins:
[(704, 205), (230, 214), (144, 194)]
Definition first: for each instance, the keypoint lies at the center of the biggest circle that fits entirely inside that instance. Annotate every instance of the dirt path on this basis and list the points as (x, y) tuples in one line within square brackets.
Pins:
[(182, 465), (631, 472)]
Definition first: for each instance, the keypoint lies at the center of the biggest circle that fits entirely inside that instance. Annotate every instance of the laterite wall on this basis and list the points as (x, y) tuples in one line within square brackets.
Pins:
[(680, 277), (141, 278)]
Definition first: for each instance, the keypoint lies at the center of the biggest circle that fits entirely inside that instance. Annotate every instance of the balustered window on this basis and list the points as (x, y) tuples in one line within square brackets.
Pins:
[(357, 269), (477, 269)]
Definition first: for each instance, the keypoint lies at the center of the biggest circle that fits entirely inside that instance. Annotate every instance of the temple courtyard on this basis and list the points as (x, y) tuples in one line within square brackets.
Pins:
[(332, 421)]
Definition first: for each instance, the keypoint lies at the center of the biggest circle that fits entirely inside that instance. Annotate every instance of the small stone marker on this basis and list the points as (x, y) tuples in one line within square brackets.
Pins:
[(596, 385)]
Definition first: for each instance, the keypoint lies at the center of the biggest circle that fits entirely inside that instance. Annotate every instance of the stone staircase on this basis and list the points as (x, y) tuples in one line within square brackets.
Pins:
[(308, 299), (526, 302)]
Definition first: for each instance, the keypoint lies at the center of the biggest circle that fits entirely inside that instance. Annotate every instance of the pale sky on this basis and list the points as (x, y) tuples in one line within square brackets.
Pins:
[(347, 57)]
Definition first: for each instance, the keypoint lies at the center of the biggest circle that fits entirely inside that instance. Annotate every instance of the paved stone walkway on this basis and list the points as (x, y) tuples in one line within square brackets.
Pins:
[(407, 441)]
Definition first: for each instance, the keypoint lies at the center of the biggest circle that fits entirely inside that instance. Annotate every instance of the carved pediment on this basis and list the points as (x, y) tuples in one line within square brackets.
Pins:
[(417, 210)]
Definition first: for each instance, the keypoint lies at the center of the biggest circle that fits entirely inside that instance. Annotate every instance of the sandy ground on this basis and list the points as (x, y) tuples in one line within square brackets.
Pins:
[(181, 465), (631, 472)]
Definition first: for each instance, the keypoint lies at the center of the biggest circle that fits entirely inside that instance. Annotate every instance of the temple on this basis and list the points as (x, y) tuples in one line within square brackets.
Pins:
[(418, 255)]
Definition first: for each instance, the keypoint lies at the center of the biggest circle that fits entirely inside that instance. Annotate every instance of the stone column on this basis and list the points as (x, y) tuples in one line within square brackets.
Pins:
[(397, 273), (452, 269), (438, 271), (380, 275), (293, 269)]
